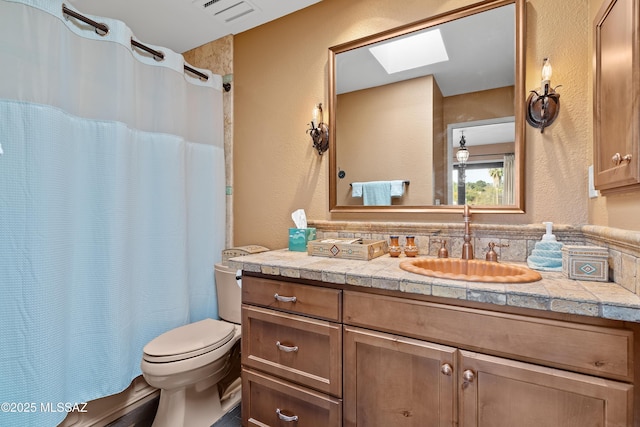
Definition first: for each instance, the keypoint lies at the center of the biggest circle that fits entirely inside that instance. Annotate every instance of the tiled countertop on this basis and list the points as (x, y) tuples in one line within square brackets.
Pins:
[(553, 293)]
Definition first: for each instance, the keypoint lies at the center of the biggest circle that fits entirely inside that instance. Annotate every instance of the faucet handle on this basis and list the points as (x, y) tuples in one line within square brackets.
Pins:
[(442, 252), (492, 255)]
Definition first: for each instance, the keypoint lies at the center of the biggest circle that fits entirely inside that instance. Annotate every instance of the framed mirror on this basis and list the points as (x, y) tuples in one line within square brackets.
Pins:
[(398, 122)]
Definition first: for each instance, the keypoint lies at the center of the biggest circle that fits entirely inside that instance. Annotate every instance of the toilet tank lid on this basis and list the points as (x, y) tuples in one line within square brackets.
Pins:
[(190, 338)]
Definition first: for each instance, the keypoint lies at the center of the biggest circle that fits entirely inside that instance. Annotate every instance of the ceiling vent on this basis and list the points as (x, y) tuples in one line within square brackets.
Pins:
[(227, 10)]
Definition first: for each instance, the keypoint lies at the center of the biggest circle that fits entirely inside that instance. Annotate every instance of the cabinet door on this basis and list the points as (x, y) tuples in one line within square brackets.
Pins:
[(496, 392), (616, 91), (395, 381)]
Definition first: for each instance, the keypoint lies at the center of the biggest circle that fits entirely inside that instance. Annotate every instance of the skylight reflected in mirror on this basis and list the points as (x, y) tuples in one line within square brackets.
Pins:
[(411, 52)]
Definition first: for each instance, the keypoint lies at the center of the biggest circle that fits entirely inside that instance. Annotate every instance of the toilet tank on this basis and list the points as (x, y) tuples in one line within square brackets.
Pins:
[(241, 251), (229, 294)]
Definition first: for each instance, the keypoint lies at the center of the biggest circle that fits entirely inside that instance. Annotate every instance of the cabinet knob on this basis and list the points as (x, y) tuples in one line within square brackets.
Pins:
[(284, 299), (284, 417), (446, 369), (617, 159), (468, 375)]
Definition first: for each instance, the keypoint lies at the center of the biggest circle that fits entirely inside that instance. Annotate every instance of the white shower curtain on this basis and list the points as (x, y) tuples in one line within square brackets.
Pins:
[(111, 206)]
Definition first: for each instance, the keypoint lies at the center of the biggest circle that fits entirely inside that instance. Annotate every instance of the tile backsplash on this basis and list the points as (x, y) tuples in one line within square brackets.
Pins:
[(513, 242)]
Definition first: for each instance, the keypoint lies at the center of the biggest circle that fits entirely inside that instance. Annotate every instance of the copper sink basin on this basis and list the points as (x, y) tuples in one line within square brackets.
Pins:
[(470, 270)]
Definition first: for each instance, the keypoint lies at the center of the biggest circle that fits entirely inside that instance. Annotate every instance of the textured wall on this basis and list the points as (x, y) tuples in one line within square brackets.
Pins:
[(281, 72)]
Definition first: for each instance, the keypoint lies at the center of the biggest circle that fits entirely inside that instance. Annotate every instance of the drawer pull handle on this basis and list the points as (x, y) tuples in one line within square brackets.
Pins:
[(284, 299), (286, 348), (446, 369), (284, 417)]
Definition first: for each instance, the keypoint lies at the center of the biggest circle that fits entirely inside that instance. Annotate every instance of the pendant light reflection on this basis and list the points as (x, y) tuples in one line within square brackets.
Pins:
[(463, 154)]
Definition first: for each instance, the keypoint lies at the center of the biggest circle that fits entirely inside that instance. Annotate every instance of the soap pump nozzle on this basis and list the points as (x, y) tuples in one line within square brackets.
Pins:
[(549, 236)]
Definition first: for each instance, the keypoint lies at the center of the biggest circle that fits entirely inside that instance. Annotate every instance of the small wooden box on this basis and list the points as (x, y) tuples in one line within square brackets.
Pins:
[(585, 263), (348, 248)]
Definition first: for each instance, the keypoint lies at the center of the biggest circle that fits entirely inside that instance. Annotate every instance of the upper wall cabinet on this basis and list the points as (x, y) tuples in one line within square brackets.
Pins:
[(617, 96)]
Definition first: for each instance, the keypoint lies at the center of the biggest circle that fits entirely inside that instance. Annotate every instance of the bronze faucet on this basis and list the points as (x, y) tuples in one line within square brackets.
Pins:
[(467, 247)]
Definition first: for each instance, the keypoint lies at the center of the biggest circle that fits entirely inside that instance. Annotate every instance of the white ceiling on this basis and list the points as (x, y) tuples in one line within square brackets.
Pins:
[(181, 25)]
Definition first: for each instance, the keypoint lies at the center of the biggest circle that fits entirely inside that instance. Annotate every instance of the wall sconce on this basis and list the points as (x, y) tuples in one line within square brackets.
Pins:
[(463, 154), (319, 131), (543, 109)]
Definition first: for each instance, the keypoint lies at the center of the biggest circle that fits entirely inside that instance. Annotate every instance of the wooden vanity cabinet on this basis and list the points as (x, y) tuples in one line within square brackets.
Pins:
[(291, 354), (377, 360), (465, 367)]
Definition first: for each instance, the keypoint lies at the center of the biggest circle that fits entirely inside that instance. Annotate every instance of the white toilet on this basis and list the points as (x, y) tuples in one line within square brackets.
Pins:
[(197, 366)]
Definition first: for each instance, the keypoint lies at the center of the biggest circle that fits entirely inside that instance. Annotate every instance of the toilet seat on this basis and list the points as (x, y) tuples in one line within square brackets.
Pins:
[(189, 341)]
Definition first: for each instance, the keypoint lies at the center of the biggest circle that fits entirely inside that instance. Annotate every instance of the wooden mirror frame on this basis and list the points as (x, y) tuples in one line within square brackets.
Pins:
[(519, 108)]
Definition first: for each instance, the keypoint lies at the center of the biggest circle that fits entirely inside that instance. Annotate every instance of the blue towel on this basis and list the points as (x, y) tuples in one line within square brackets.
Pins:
[(356, 189), (397, 188), (376, 193)]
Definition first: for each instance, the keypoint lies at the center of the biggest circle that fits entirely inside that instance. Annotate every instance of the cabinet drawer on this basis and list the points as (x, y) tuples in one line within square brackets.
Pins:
[(596, 350), (300, 349), (293, 297), (269, 401)]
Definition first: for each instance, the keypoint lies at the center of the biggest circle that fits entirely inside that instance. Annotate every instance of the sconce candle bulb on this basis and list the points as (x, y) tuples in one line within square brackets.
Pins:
[(546, 72), (542, 109), (319, 130), (316, 117)]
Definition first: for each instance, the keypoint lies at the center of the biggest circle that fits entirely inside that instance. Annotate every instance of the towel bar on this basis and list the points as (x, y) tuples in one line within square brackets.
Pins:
[(406, 182)]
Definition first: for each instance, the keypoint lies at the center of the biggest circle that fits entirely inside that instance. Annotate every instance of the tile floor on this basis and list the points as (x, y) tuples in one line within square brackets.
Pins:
[(232, 418)]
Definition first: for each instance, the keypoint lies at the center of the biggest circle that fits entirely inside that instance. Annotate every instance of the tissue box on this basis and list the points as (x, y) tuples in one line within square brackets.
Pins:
[(585, 263), (346, 248), (299, 237)]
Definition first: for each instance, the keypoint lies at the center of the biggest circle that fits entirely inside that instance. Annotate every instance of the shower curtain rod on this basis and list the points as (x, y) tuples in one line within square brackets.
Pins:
[(104, 29)]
